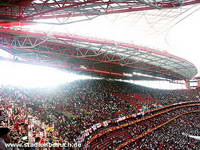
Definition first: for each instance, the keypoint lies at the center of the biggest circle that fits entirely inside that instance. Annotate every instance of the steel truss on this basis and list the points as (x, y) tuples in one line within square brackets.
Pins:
[(92, 54), (69, 11)]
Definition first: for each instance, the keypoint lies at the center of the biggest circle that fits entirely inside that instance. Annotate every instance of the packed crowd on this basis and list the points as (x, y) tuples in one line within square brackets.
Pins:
[(13, 116), (127, 132), (61, 114), (172, 136)]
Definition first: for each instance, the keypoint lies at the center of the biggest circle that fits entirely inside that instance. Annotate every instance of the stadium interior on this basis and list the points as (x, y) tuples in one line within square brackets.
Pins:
[(98, 75)]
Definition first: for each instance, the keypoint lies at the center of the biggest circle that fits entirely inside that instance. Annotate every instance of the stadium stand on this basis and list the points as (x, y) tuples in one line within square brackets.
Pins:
[(63, 114), (113, 44)]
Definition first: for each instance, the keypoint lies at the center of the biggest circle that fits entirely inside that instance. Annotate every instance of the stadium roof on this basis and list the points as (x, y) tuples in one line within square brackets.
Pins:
[(35, 10), (104, 57), (81, 48)]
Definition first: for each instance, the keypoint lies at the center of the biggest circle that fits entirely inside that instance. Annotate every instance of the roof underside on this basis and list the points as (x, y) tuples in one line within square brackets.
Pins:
[(34, 10), (91, 55), (96, 56)]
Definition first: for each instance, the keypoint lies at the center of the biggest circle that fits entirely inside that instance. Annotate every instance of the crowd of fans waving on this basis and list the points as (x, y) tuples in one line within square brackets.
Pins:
[(60, 114)]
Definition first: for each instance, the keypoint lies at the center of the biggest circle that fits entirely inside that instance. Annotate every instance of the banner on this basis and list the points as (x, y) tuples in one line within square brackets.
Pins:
[(5, 106)]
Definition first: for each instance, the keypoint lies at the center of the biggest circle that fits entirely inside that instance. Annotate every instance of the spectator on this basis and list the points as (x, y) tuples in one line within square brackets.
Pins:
[(63, 113), (4, 138)]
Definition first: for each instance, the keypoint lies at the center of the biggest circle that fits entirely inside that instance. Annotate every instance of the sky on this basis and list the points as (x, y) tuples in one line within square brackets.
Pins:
[(184, 39)]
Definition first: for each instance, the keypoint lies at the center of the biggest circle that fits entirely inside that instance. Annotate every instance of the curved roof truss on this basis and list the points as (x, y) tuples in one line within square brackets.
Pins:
[(63, 12), (95, 54)]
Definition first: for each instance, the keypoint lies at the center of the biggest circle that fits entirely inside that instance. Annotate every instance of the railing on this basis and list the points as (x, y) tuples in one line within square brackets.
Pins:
[(139, 120), (153, 129)]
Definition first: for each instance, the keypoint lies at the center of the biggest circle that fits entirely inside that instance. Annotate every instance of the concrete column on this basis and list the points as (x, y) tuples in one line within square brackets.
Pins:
[(198, 84), (187, 84)]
